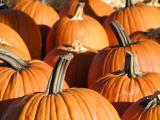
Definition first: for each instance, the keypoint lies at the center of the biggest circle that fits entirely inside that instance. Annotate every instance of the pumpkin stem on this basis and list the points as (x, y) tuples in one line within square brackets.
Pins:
[(128, 3), (58, 74), (132, 65), (17, 63), (121, 35), (151, 101), (79, 12)]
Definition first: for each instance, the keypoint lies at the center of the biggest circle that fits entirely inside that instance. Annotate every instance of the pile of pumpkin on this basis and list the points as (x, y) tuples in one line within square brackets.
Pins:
[(87, 61)]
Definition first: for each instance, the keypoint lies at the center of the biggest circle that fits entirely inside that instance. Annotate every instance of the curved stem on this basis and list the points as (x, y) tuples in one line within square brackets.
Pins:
[(132, 65), (128, 3), (58, 74), (151, 101), (121, 35), (17, 63), (79, 12)]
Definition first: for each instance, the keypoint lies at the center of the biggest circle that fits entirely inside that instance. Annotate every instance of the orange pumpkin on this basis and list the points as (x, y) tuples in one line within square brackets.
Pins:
[(55, 103), (77, 72), (26, 27), (123, 88), (11, 41), (83, 28), (98, 9), (147, 108), (112, 58), (133, 18), (19, 77)]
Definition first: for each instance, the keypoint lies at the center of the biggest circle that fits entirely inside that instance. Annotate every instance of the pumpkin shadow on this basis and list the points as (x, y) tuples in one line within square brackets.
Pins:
[(44, 32), (121, 107)]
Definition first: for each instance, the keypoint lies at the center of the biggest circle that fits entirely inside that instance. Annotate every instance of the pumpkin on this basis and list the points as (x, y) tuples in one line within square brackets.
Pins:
[(112, 58), (146, 108), (123, 88), (26, 27), (152, 34), (135, 18), (77, 72), (55, 103), (98, 9), (19, 77), (83, 28), (11, 41)]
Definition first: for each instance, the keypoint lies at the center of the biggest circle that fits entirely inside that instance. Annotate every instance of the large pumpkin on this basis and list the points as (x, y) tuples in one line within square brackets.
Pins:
[(77, 72), (19, 77), (55, 103), (147, 108), (11, 41), (112, 58), (26, 27), (123, 88), (98, 9), (43, 14), (83, 28), (135, 18)]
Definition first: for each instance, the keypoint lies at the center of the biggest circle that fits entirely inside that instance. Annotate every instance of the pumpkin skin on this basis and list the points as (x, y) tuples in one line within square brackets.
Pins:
[(26, 27), (72, 103), (23, 78), (77, 72), (138, 17), (95, 8), (11, 41), (123, 89), (42, 13), (137, 111), (79, 27), (112, 58)]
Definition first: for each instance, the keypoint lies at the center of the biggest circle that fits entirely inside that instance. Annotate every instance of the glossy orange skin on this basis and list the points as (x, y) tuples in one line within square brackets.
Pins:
[(112, 59), (122, 91), (70, 104), (15, 43), (26, 27), (78, 69), (42, 13), (135, 112), (88, 31), (95, 8), (139, 17)]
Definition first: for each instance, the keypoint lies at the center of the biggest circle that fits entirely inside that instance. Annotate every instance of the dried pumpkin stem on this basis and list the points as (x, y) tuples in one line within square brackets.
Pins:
[(17, 63), (128, 3), (121, 35), (131, 65), (79, 12), (58, 74), (150, 102)]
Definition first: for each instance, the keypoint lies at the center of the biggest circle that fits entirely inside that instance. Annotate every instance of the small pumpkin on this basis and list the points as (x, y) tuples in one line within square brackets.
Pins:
[(77, 72), (55, 103), (123, 88), (11, 41), (98, 9), (26, 27), (133, 18), (112, 58), (146, 108), (19, 77), (83, 28)]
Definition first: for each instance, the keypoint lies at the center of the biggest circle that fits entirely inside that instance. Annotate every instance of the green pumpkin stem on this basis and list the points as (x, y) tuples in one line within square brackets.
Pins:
[(58, 74), (121, 35), (16, 62), (128, 3), (132, 65), (79, 12), (150, 102)]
